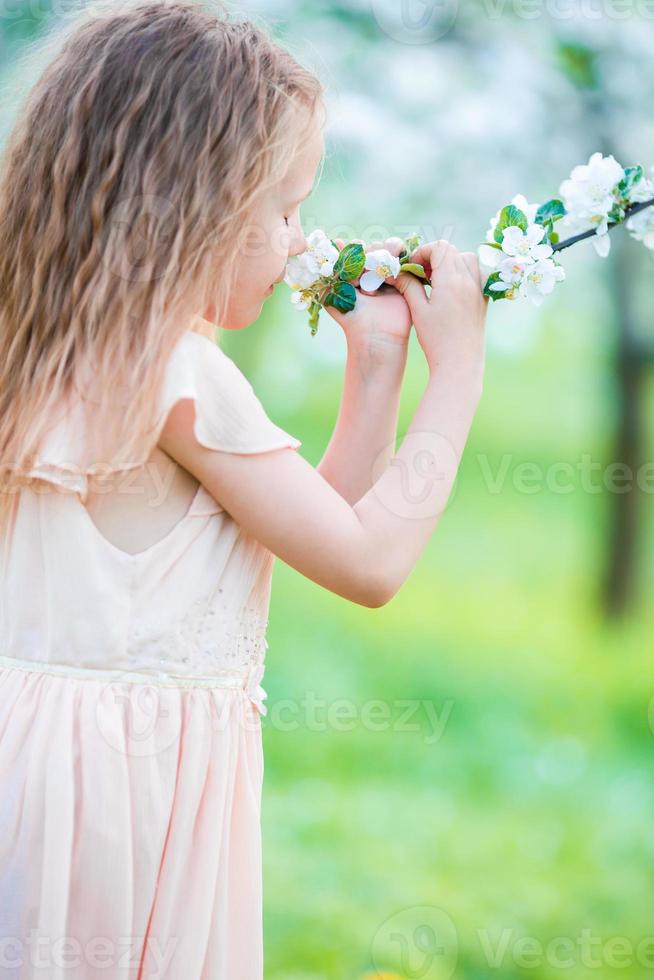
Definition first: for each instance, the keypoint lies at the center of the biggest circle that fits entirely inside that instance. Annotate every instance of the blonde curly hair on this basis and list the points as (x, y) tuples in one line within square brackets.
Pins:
[(129, 178)]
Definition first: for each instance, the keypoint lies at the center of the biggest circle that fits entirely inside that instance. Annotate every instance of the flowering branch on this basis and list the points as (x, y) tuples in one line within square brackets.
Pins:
[(596, 197), (322, 275), (517, 256), (630, 212)]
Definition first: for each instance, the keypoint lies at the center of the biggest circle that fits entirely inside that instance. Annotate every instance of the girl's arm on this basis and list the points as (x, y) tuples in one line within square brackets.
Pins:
[(363, 440), (363, 552)]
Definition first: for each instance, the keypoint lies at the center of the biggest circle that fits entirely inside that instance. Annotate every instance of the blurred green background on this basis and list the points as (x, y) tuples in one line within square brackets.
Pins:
[(500, 821)]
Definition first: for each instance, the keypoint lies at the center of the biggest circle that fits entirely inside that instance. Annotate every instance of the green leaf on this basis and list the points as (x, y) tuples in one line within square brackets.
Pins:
[(314, 313), (553, 237), (550, 211), (410, 245), (342, 296), (349, 264), (632, 175), (616, 213), (579, 62), (413, 267), (509, 216), (413, 242)]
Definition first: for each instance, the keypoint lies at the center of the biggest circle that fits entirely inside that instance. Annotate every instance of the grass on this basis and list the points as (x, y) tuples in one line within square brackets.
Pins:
[(512, 809)]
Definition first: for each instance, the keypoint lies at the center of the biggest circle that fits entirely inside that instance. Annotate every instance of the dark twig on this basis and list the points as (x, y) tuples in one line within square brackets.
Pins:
[(629, 212)]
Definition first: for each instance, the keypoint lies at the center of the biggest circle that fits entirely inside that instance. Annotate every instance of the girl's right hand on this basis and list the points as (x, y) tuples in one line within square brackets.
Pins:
[(450, 321)]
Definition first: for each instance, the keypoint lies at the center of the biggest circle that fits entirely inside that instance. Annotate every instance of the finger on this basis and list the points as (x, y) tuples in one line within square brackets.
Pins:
[(394, 245), (472, 263), (432, 256), (414, 293), (438, 259), (431, 252), (471, 260)]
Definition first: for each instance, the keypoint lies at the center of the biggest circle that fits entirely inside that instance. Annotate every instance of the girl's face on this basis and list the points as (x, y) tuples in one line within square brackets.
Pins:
[(275, 234)]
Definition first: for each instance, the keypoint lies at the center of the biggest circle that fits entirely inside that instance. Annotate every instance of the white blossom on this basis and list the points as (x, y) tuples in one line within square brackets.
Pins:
[(526, 244), (489, 257), (511, 272), (540, 279), (301, 299), (318, 259), (322, 252), (523, 247), (521, 276), (380, 264), (299, 274), (589, 195)]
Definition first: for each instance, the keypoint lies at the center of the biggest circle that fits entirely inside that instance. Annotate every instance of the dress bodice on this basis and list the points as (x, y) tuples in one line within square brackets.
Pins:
[(195, 603)]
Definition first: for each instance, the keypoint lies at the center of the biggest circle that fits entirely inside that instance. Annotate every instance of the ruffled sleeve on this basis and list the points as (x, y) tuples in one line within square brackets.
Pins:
[(228, 415)]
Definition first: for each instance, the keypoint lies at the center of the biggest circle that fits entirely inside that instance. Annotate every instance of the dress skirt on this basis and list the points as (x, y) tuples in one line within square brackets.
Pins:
[(130, 813)]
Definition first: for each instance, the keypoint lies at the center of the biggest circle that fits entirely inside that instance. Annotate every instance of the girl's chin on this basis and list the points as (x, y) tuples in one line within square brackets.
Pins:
[(237, 321)]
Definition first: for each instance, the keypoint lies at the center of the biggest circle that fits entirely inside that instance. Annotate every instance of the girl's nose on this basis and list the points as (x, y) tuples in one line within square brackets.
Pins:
[(298, 243)]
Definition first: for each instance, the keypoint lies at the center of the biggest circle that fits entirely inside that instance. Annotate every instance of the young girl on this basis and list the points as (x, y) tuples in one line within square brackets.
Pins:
[(150, 191)]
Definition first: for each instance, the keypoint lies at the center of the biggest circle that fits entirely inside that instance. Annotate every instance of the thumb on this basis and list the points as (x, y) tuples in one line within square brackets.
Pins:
[(413, 291)]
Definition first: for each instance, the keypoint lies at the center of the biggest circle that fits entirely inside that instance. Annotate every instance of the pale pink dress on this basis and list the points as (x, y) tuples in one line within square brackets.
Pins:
[(131, 759)]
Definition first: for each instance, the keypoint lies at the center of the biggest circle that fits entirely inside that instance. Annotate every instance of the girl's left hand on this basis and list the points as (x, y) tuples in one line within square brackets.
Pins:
[(380, 323)]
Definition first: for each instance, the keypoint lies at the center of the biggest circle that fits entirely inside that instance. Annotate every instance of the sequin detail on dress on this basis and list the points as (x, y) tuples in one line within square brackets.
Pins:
[(212, 640)]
